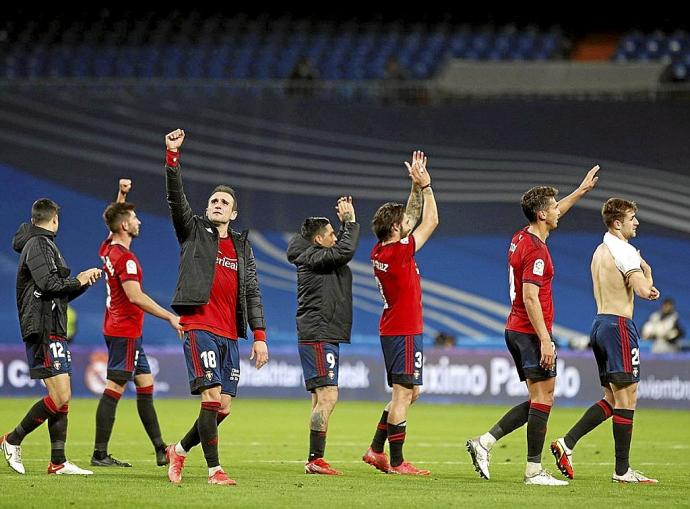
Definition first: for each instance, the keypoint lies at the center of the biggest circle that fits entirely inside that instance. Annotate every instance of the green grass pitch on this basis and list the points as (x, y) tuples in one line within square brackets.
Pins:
[(264, 443)]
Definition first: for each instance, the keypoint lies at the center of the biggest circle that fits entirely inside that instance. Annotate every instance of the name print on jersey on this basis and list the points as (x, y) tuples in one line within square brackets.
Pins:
[(383, 267)]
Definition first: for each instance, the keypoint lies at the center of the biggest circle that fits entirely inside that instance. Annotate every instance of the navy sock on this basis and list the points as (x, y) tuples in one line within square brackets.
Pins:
[(622, 436), (593, 417), (537, 420), (381, 434), (512, 420)]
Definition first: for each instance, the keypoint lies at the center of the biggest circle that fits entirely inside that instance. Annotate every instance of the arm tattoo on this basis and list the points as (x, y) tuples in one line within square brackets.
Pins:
[(414, 204), (347, 216)]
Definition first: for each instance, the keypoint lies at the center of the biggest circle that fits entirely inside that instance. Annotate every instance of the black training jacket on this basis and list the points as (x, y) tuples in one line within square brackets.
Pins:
[(198, 238), (324, 286), (44, 287)]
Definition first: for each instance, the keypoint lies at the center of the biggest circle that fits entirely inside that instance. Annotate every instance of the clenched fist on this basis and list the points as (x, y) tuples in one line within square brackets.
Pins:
[(125, 186), (173, 140)]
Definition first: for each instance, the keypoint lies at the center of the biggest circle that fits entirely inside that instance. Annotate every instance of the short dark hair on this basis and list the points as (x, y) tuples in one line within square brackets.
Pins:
[(115, 213), (385, 217), (614, 209), (227, 189), (313, 226), (43, 210), (537, 199)]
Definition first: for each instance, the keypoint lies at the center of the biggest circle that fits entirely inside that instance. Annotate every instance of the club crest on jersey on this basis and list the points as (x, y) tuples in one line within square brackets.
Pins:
[(331, 375), (209, 375), (417, 374), (131, 266), (538, 268), (635, 371), (56, 364)]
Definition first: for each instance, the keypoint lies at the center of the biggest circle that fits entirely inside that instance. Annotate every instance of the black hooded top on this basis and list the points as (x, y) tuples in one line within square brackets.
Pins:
[(43, 285), (324, 286)]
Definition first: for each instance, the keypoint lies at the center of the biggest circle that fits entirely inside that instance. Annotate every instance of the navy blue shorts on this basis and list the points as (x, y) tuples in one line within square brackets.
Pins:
[(126, 358), (615, 345), (526, 351), (320, 362), (49, 360), (404, 356), (211, 361)]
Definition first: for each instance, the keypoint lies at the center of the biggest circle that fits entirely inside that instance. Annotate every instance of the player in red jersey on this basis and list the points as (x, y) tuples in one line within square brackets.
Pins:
[(125, 306), (401, 323), (217, 295), (528, 330)]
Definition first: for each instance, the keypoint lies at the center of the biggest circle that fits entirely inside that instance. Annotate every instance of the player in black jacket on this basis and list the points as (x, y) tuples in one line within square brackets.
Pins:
[(324, 315), (43, 290)]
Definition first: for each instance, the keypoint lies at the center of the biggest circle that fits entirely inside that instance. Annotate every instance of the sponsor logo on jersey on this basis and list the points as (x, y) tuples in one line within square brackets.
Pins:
[(228, 263), (538, 268), (131, 267)]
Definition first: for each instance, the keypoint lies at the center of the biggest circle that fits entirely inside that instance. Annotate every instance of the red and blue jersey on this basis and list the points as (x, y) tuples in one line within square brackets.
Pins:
[(122, 318), (218, 316), (529, 261), (398, 278)]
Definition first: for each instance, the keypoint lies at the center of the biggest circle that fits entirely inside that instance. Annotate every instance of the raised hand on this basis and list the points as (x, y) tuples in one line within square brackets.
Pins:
[(417, 170), (173, 140), (125, 186), (345, 209), (590, 180)]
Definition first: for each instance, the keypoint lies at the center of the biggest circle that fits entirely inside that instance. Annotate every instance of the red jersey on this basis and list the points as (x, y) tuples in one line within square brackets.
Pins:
[(122, 318), (218, 316), (529, 261), (398, 278)]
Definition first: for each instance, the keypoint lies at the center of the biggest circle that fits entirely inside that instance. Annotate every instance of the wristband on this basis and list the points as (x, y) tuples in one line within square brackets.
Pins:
[(423, 188), (172, 159), (260, 335)]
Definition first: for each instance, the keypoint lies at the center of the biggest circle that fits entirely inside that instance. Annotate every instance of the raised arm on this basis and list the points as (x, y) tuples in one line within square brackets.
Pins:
[(124, 187), (343, 250), (413, 209), (587, 184), (181, 212), (420, 176)]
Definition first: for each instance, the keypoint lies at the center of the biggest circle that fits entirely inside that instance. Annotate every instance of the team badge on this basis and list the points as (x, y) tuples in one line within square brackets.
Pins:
[(209, 375), (538, 268), (56, 364), (635, 371), (416, 374), (331, 375)]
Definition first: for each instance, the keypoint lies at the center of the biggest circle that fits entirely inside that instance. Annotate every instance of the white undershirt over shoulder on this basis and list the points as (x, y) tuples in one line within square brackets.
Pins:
[(625, 255)]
